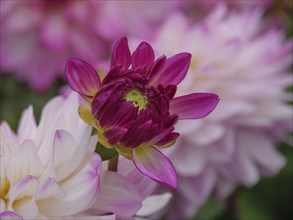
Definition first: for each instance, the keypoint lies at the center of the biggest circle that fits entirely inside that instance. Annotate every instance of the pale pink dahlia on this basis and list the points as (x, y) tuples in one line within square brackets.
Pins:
[(133, 106), (37, 36), (50, 171), (235, 145)]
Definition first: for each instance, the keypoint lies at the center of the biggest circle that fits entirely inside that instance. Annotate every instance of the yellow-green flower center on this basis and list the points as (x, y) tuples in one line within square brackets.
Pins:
[(137, 98)]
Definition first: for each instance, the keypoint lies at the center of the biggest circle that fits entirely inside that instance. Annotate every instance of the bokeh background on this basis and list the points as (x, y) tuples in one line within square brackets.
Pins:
[(38, 36)]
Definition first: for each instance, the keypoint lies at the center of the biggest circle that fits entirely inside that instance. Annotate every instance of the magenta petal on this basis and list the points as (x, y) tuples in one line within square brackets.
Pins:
[(143, 55), (194, 106), (151, 162), (82, 77), (121, 54), (173, 70)]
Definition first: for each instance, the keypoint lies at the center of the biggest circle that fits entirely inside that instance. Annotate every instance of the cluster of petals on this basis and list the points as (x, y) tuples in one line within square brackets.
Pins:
[(38, 36), (50, 171), (133, 106), (249, 70)]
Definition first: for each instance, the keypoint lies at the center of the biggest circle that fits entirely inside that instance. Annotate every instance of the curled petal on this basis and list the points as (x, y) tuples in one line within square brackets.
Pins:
[(143, 55), (172, 71), (121, 54), (155, 165), (82, 77), (194, 106)]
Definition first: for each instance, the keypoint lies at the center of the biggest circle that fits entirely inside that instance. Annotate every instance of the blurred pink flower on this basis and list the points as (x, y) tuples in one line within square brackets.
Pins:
[(249, 70), (204, 6), (38, 36), (50, 170)]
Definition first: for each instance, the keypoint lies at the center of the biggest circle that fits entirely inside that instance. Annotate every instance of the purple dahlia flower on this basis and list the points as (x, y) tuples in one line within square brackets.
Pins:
[(133, 106)]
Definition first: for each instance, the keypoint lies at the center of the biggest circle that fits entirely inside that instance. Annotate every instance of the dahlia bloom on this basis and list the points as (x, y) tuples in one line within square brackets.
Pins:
[(235, 145), (50, 171), (36, 179), (38, 36), (133, 106)]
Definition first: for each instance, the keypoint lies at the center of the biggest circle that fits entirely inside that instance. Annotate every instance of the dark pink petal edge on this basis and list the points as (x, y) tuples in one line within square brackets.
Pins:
[(143, 55), (173, 70), (82, 77), (121, 54)]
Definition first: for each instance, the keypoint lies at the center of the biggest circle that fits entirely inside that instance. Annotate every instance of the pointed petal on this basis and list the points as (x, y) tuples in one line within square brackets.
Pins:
[(118, 195), (27, 125), (155, 165), (194, 106), (143, 55), (153, 204), (82, 77), (121, 54), (173, 70), (50, 189)]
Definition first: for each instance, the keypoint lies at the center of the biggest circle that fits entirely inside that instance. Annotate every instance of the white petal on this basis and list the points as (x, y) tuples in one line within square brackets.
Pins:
[(27, 207), (154, 203), (21, 197), (118, 195), (144, 184), (81, 190), (27, 125), (24, 162), (50, 189)]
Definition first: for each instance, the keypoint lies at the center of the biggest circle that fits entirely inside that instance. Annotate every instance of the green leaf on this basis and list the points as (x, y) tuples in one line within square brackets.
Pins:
[(105, 153)]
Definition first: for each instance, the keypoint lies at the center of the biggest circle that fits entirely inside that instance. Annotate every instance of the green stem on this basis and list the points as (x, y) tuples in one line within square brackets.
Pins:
[(233, 207), (113, 163)]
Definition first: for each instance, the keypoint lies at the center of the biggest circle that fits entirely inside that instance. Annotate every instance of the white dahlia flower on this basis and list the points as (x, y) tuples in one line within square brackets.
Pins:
[(48, 170)]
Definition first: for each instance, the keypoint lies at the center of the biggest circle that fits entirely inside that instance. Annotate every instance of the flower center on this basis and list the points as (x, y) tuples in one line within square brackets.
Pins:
[(137, 98)]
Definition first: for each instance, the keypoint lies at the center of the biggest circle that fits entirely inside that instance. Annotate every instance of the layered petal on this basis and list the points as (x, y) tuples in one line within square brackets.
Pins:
[(194, 106), (154, 203), (155, 165), (172, 71), (81, 189), (121, 54), (82, 77), (21, 198), (143, 55), (24, 162), (118, 195)]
